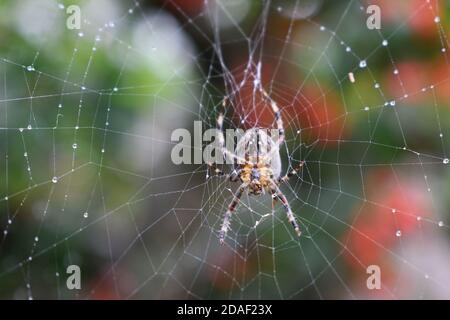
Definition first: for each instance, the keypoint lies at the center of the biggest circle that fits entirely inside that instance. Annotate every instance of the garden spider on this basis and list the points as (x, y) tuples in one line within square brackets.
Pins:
[(259, 169)]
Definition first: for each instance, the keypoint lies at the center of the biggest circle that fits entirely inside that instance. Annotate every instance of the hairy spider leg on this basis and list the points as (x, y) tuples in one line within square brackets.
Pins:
[(231, 208), (276, 192), (294, 171), (233, 176), (278, 119), (221, 140)]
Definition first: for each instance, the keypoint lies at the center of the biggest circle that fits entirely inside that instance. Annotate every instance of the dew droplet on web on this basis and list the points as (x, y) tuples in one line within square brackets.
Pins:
[(86, 214), (446, 161), (36, 239), (362, 64), (74, 146), (54, 179), (398, 233), (441, 223), (351, 77), (384, 43), (30, 68)]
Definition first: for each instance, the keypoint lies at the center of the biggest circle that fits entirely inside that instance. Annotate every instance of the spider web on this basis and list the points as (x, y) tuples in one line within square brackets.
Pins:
[(86, 118)]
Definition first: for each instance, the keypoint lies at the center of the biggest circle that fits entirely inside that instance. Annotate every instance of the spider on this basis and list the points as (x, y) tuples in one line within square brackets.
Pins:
[(259, 170)]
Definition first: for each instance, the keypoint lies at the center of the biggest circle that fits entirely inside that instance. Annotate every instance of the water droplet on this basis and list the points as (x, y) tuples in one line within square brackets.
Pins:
[(377, 85), (394, 210), (29, 127), (419, 218), (441, 223), (392, 103), (80, 34), (60, 106), (86, 214), (20, 129), (30, 258), (396, 71), (61, 6), (384, 43), (348, 49), (9, 221), (322, 28), (36, 239), (366, 108), (437, 19), (130, 11), (446, 161), (362, 64), (103, 150), (115, 89), (74, 146), (398, 233), (25, 154), (55, 179), (30, 68)]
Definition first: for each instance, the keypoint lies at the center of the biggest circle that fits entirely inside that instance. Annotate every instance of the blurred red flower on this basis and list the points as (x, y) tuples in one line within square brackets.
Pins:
[(395, 206)]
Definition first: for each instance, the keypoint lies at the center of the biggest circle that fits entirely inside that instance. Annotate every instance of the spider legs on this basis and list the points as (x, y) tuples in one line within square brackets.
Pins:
[(294, 171), (278, 119), (233, 176), (221, 138), (231, 208), (277, 194)]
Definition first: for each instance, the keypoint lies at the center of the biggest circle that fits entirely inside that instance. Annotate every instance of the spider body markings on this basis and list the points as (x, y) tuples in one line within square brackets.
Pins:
[(259, 167)]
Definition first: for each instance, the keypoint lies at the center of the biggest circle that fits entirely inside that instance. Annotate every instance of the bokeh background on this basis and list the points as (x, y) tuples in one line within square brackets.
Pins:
[(86, 176)]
